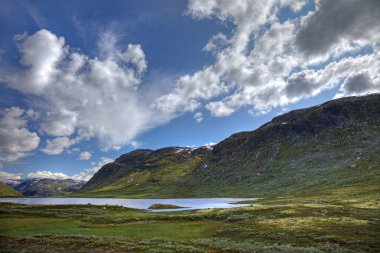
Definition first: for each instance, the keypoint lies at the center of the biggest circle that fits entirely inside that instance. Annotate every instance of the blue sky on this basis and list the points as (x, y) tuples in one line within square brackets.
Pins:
[(83, 82)]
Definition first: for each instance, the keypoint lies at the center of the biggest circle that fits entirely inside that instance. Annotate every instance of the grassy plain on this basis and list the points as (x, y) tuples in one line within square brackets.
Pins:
[(340, 221)]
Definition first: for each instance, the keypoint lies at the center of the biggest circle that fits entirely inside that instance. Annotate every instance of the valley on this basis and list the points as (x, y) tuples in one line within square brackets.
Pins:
[(315, 171), (342, 222)]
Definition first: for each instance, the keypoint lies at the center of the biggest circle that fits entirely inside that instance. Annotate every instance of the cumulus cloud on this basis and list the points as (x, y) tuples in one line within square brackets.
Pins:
[(198, 117), (337, 20), (203, 85), (7, 175), (216, 43), (60, 123), (357, 83), (57, 145), (87, 174), (263, 63), (48, 174), (40, 52), (17, 140), (360, 83), (84, 175), (135, 55), (71, 87), (85, 155), (220, 109), (266, 63)]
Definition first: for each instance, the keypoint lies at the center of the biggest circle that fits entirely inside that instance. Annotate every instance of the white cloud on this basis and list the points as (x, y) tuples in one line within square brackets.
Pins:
[(48, 174), (135, 55), (7, 175), (41, 52), (265, 63), (85, 155), (135, 144), (198, 117), (347, 70), (202, 85), (219, 109), (84, 175), (57, 145), (216, 43), (60, 123), (87, 174), (70, 87), (16, 140)]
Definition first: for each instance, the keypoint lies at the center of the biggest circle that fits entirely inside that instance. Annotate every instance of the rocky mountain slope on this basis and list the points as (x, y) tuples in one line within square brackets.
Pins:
[(45, 187), (7, 191), (331, 147)]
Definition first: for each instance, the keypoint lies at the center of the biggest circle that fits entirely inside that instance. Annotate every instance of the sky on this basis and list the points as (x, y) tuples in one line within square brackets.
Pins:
[(83, 82)]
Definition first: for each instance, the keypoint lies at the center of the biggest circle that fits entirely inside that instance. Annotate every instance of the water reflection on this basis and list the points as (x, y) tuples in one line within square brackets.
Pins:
[(187, 203)]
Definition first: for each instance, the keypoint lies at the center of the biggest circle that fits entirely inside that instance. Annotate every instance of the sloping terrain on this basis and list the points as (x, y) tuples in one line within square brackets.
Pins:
[(7, 191), (331, 147), (155, 170)]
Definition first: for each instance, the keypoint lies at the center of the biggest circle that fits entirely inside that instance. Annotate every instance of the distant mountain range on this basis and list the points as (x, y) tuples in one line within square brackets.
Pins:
[(334, 146), (44, 187)]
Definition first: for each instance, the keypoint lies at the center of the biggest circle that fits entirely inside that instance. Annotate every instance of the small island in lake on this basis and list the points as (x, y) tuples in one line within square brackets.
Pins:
[(164, 206)]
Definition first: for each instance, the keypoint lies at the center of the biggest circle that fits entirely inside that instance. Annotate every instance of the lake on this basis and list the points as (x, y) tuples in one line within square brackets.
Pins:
[(187, 203)]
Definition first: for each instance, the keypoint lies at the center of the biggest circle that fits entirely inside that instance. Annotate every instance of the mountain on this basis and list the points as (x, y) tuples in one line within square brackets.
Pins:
[(12, 182), (7, 191), (334, 146), (46, 187)]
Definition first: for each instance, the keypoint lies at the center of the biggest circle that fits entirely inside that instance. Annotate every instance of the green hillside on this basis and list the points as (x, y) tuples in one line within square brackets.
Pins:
[(7, 191), (330, 148)]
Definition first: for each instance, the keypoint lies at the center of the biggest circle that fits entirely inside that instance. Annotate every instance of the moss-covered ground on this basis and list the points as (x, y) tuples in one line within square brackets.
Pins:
[(340, 221)]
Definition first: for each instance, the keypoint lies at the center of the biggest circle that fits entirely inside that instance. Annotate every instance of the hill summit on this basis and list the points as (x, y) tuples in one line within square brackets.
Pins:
[(334, 146)]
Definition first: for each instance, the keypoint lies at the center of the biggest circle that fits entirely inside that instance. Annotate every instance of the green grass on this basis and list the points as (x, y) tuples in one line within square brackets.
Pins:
[(172, 230), (255, 170), (332, 204), (319, 192), (7, 191), (164, 206), (344, 220)]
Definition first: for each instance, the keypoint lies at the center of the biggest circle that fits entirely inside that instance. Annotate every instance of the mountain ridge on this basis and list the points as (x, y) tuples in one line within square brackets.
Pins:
[(44, 187), (324, 141)]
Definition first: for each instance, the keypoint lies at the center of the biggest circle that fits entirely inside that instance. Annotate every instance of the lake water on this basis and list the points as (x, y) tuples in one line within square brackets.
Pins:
[(187, 203)]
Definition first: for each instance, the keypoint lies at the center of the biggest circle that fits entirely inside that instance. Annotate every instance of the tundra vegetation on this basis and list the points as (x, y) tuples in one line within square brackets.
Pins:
[(346, 220), (315, 171)]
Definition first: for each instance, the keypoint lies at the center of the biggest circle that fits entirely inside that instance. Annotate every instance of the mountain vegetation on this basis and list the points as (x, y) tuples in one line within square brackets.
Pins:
[(7, 191), (316, 170), (312, 223), (332, 147)]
